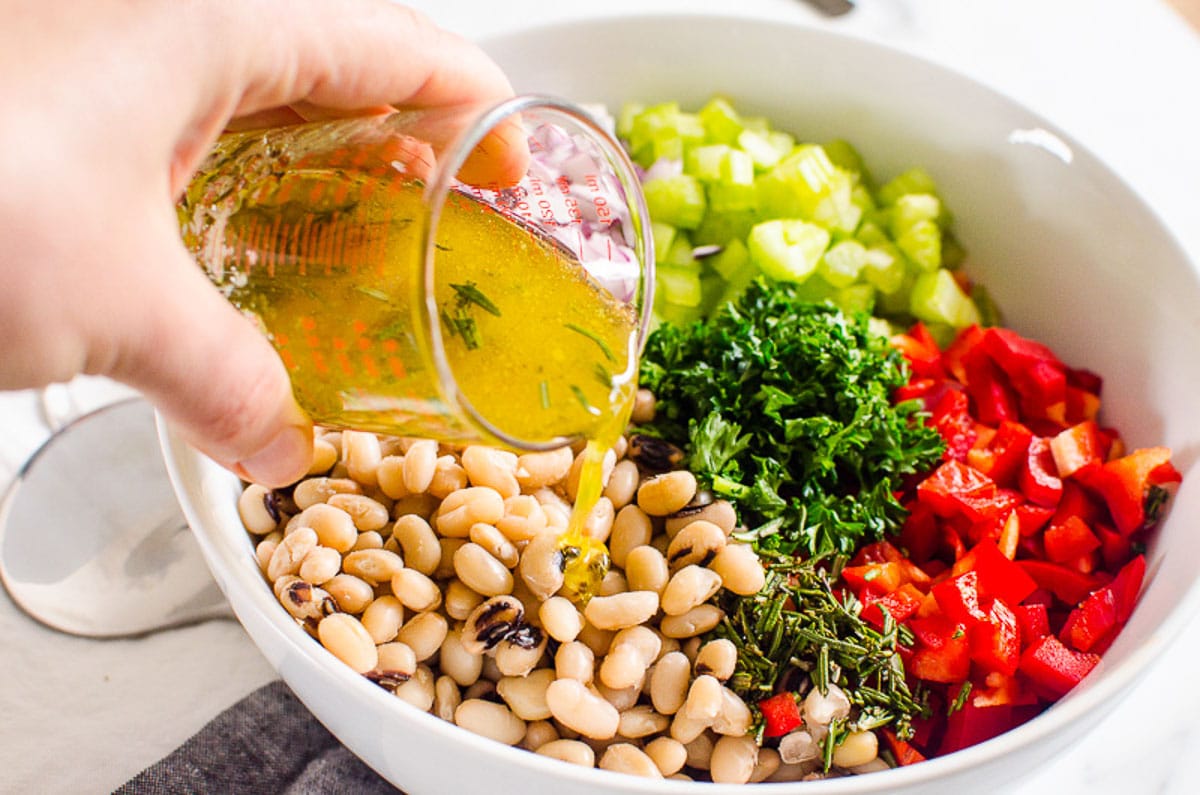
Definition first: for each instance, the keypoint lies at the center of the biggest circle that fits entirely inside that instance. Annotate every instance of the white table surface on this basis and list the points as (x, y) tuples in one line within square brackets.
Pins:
[(83, 716)]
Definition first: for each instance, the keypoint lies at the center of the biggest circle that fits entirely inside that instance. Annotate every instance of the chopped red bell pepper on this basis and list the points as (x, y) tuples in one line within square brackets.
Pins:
[(1069, 586), (1035, 372), (903, 752), (1077, 447), (1033, 621), (1116, 549), (1038, 479), (875, 579), (1125, 482), (921, 350), (997, 576), (996, 642), (993, 396), (959, 598), (781, 714), (1033, 518), (950, 416), (1069, 540), (1009, 448), (1092, 622), (1127, 585), (900, 603), (955, 488), (943, 650), (963, 345), (972, 725), (1054, 668)]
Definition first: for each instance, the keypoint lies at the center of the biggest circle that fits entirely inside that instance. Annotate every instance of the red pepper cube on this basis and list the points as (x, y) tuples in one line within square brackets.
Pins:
[(1081, 404), (1009, 448), (1077, 447), (1092, 622), (900, 603), (876, 579), (1033, 620), (994, 398), (972, 725), (955, 489), (963, 345), (997, 577), (1127, 585), (1033, 518), (1053, 668), (959, 598), (921, 350), (1039, 481), (1068, 586), (943, 650), (1124, 483), (951, 417), (903, 752), (1070, 540), (1116, 549), (996, 642), (781, 714)]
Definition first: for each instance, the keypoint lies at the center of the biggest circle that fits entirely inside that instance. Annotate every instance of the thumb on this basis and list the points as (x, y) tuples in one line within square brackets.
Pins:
[(210, 371)]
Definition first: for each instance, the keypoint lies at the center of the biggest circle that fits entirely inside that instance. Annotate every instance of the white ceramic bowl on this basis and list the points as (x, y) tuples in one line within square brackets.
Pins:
[(1070, 253)]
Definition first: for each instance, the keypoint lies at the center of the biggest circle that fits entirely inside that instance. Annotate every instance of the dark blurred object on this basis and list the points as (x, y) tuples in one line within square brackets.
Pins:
[(832, 8)]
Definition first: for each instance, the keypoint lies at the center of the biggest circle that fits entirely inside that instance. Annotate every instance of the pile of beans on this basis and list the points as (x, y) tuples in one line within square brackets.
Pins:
[(433, 571)]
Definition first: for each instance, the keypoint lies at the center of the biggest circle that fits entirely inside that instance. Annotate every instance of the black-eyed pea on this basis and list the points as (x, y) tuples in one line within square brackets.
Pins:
[(643, 407), (669, 754), (669, 682), (596, 639), (462, 664), (483, 688), (687, 731), (448, 477), (622, 484), (446, 698), (265, 548), (258, 508), (690, 586), (314, 491), (496, 543), (487, 466), (421, 550), (344, 636), (320, 565), (523, 519), (541, 566), (560, 619), (629, 759), (526, 695), (491, 720), (598, 523), (465, 507), (521, 651), (716, 657), (614, 582), (876, 765), (704, 699), (574, 660), (621, 610), (697, 621), (538, 470), (646, 569), (290, 552), (305, 601), (856, 749), (445, 567), (396, 662), (663, 495), (424, 633), (538, 733), (282, 583), (630, 655), (740, 569), (573, 751), (576, 707), (697, 544), (334, 527), (389, 476), (418, 690), (420, 462), (371, 539), (641, 720), (324, 456), (491, 622), (383, 618), (765, 766), (362, 454), (733, 760), (423, 505), (367, 513), (416, 591), (373, 565), (558, 518), (460, 600), (480, 571), (631, 528), (734, 717), (622, 698), (703, 507)]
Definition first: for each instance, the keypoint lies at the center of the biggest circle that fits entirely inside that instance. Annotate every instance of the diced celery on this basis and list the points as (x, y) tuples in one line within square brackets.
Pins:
[(842, 263), (677, 200), (664, 236), (664, 145), (856, 298), (726, 197), (677, 315), (720, 226), (816, 290), (869, 233), (766, 148), (862, 197), (884, 268), (704, 162), (737, 279), (937, 298), (663, 130), (722, 124), (922, 244), (759, 124), (731, 259), (911, 208), (679, 255), (844, 155), (625, 119), (787, 249), (915, 180), (837, 210), (795, 186), (896, 304), (679, 286)]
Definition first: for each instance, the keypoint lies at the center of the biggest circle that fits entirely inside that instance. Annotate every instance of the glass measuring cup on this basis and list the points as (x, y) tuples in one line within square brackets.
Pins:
[(476, 274)]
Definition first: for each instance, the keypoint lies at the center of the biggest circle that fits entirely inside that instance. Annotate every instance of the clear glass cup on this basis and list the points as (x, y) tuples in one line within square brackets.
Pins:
[(475, 274)]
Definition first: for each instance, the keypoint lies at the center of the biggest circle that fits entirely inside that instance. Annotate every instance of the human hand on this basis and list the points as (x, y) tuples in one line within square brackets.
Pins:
[(106, 109)]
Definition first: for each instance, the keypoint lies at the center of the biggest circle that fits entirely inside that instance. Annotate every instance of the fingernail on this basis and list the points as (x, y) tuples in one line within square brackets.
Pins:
[(282, 461)]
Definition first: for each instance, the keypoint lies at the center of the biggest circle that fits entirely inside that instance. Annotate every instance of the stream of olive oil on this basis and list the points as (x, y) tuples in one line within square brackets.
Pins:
[(327, 260)]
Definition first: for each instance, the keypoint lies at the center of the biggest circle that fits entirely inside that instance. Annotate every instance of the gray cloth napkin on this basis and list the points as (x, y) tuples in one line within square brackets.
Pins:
[(267, 743)]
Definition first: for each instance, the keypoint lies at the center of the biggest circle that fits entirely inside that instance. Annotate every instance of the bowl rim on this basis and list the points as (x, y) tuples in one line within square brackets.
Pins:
[(1113, 680)]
